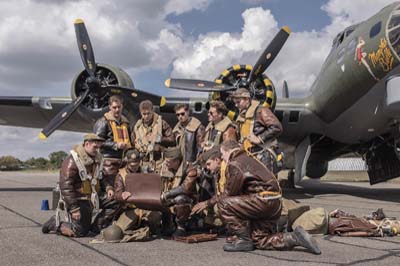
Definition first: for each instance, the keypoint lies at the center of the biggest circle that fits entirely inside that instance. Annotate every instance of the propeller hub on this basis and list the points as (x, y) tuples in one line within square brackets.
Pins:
[(92, 83)]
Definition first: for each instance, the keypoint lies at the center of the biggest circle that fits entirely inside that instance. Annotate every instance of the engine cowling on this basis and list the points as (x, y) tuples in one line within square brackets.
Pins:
[(97, 101), (261, 89)]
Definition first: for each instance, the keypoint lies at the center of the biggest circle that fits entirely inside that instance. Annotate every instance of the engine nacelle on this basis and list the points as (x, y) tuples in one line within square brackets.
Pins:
[(262, 89), (97, 101)]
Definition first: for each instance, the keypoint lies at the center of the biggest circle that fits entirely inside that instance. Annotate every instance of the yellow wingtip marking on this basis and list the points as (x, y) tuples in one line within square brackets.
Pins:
[(163, 101), (218, 81), (167, 83), (42, 136), (78, 21), (287, 29)]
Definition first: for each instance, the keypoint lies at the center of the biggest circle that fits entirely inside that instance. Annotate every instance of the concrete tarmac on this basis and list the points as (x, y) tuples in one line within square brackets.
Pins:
[(22, 243)]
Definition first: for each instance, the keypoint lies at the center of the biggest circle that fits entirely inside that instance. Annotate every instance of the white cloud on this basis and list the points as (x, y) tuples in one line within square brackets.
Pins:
[(212, 53)]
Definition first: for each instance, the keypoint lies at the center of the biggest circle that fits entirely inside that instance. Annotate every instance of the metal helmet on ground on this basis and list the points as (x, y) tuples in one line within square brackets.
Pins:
[(112, 234)]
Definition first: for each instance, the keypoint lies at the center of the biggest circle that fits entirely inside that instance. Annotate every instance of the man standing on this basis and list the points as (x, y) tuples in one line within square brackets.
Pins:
[(220, 127), (114, 128), (151, 136), (177, 187), (258, 128), (80, 184), (188, 133), (252, 205)]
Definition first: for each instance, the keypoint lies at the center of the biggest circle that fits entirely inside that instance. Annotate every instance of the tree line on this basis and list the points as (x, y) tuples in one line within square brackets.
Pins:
[(11, 163)]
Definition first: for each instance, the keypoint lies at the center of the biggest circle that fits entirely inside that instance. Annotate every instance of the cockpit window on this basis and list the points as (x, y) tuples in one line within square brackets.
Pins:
[(375, 29), (394, 21), (349, 31)]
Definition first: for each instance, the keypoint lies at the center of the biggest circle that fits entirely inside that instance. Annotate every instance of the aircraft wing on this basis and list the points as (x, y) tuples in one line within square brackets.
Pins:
[(36, 112)]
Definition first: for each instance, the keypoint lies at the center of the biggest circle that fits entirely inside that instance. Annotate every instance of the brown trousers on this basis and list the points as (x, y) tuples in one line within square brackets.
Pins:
[(255, 214)]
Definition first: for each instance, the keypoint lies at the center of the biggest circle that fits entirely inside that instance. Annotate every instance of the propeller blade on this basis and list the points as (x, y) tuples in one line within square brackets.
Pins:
[(270, 53), (85, 47), (138, 95), (62, 116), (197, 85)]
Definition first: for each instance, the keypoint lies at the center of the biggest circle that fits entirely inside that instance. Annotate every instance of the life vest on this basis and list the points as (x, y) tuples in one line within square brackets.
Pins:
[(90, 183), (246, 124), (222, 178), (120, 130), (147, 136)]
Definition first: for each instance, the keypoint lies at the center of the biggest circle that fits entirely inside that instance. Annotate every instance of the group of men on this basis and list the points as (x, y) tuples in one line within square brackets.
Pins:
[(222, 175)]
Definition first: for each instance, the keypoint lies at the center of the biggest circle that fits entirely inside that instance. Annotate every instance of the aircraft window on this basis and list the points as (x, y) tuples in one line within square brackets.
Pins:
[(341, 38), (198, 106), (351, 46), (375, 29), (279, 115), (394, 38), (294, 116), (348, 32), (340, 56), (394, 21)]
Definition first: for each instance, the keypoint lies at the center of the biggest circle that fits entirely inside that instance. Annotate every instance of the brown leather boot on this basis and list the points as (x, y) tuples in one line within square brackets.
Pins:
[(299, 237), (243, 242)]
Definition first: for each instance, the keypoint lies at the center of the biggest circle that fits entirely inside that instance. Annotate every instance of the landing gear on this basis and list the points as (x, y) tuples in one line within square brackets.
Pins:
[(290, 178), (289, 182)]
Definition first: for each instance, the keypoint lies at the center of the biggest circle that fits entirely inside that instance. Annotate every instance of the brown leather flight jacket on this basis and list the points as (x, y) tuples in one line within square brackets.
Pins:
[(71, 185), (266, 125), (189, 138), (102, 128), (245, 175), (119, 187)]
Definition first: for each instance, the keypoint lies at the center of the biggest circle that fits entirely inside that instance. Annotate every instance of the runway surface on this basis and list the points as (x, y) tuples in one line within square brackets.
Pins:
[(22, 243)]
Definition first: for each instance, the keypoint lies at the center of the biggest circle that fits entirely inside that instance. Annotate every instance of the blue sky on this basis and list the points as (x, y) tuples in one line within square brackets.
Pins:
[(155, 39)]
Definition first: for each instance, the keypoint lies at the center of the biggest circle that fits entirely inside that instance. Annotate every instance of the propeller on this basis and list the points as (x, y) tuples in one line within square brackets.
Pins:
[(85, 47), (269, 53), (197, 85), (262, 64), (94, 86)]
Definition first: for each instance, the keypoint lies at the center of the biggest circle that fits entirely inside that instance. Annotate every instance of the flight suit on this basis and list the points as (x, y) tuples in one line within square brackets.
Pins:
[(151, 140), (260, 121), (251, 203)]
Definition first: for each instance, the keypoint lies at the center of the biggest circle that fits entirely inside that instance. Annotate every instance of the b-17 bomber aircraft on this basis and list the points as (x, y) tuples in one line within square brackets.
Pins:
[(353, 106)]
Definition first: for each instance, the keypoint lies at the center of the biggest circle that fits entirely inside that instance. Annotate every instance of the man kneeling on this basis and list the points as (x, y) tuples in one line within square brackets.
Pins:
[(252, 205), (80, 182)]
